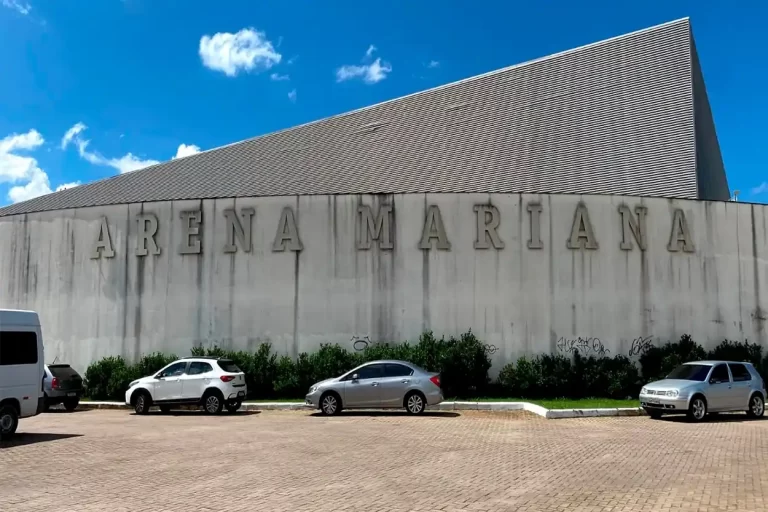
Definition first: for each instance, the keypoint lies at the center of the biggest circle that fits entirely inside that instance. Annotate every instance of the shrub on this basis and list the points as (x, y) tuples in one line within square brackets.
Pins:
[(657, 362), (98, 376), (464, 366)]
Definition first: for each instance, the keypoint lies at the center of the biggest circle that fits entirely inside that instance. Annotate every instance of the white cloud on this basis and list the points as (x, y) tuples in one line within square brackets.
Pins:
[(292, 95), (126, 163), (71, 134), (760, 189), (20, 7), (15, 168), (433, 64), (277, 77), (370, 73), (186, 150), (292, 60), (246, 50)]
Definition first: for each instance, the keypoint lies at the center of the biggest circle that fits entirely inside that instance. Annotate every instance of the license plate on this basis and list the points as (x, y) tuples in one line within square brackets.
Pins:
[(71, 394), (654, 401)]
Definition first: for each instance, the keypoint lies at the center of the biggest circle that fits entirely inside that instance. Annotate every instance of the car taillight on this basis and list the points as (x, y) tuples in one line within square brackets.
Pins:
[(55, 383), (435, 380), (227, 378)]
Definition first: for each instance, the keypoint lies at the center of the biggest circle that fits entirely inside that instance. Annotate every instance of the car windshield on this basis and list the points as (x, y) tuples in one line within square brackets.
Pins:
[(62, 371), (228, 366), (690, 372)]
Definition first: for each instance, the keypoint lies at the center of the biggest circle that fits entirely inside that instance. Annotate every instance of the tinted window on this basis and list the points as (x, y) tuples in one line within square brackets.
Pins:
[(18, 348), (175, 369), (740, 373), (228, 366), (720, 374), (690, 372), (396, 370), (63, 371), (198, 367), (372, 371)]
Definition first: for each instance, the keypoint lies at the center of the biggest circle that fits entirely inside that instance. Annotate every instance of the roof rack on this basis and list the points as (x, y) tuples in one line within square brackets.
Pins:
[(204, 357)]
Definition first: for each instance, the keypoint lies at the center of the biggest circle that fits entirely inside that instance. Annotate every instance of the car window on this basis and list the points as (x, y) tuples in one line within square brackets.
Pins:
[(62, 371), (372, 371), (720, 374), (175, 369), (18, 348), (396, 370), (199, 367), (740, 372)]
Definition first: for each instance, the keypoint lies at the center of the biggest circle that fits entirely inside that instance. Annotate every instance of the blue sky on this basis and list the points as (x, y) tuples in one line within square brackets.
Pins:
[(137, 81)]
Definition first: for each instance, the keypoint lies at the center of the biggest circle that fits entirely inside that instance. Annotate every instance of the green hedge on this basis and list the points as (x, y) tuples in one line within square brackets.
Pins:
[(462, 362)]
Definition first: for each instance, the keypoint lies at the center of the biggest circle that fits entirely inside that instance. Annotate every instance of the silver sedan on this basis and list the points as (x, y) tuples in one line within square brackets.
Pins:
[(378, 385), (700, 387)]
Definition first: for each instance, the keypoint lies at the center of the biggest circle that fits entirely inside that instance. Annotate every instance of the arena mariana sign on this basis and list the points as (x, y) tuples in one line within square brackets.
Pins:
[(378, 226)]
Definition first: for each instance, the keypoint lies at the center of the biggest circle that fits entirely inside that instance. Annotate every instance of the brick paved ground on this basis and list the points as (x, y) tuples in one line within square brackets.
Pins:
[(292, 461)]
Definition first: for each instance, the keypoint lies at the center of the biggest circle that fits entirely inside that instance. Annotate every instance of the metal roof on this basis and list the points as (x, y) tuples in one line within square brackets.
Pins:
[(614, 117)]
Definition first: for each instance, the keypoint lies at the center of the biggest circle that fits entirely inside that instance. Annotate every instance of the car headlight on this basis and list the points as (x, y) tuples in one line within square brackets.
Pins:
[(673, 393), (644, 391), (133, 383), (312, 389)]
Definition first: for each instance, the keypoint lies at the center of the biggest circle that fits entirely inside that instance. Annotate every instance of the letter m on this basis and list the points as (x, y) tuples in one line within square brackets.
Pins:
[(379, 228)]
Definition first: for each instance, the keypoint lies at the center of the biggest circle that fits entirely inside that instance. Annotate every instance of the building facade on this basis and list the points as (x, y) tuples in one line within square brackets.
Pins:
[(574, 202)]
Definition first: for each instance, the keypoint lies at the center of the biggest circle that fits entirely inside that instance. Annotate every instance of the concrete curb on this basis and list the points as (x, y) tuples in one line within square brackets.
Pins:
[(444, 406)]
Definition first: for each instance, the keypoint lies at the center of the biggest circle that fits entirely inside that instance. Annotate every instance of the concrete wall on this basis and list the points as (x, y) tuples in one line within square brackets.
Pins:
[(519, 299)]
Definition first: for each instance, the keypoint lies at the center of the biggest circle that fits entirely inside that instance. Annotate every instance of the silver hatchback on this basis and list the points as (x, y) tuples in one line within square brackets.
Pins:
[(699, 387), (378, 385)]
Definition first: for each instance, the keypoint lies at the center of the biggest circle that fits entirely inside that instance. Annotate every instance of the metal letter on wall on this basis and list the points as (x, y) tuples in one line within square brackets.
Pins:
[(434, 228), (488, 220), (535, 209), (287, 233), (238, 230), (190, 232), (680, 235), (103, 242), (145, 238), (582, 234), (633, 228), (379, 229)]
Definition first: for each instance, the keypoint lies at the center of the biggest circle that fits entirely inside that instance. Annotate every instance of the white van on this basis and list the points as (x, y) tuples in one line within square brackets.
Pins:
[(22, 368)]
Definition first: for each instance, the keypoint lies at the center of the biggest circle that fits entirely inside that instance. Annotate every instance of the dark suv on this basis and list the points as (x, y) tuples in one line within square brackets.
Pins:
[(62, 385)]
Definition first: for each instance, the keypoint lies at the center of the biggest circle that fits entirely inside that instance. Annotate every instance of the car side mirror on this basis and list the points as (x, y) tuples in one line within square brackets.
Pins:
[(354, 376), (714, 381), (159, 376)]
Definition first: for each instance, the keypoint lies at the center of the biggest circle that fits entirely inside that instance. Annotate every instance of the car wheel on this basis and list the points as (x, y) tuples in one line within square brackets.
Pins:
[(9, 420), (756, 406), (415, 403), (71, 405), (697, 410), (142, 403), (165, 409), (213, 402), (330, 404), (232, 407)]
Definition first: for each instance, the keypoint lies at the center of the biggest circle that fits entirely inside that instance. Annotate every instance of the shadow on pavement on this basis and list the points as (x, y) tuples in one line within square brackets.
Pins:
[(23, 438), (426, 414), (63, 410), (714, 418), (189, 412)]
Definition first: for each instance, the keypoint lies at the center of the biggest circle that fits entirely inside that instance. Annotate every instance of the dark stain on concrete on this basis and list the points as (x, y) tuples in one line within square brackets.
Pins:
[(759, 314), (297, 257), (425, 306), (137, 314)]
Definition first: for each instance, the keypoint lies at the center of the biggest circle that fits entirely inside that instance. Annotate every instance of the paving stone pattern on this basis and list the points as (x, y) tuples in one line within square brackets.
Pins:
[(448, 461)]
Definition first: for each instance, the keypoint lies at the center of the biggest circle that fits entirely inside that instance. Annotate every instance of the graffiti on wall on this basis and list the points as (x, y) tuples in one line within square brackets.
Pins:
[(640, 345), (585, 346), (360, 343)]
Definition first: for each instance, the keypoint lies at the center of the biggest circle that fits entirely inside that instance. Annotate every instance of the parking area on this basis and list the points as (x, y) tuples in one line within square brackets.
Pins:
[(295, 461)]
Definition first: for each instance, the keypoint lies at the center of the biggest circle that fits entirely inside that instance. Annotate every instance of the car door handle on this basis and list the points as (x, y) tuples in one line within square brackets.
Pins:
[(405, 381), (374, 383)]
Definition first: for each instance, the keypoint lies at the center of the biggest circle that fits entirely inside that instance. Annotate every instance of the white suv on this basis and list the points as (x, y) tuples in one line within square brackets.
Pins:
[(210, 382)]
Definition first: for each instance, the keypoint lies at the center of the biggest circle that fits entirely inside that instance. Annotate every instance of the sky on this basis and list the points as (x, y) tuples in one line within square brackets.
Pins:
[(93, 88)]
